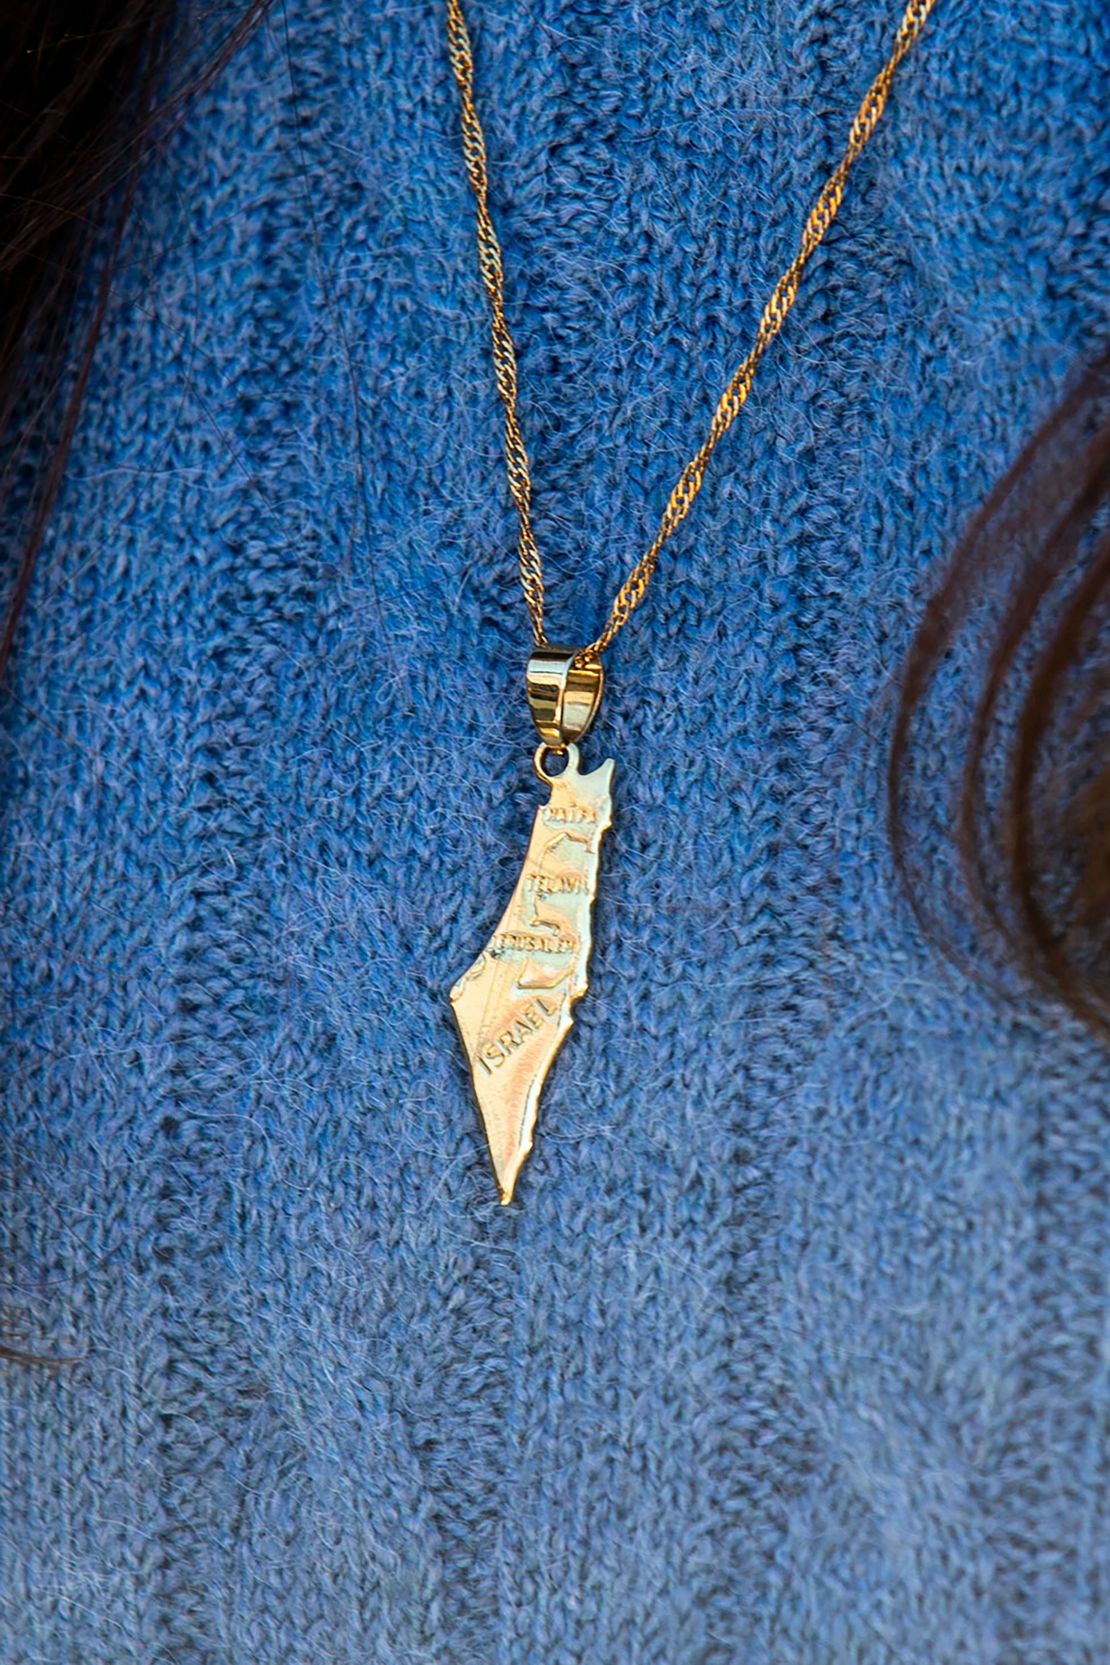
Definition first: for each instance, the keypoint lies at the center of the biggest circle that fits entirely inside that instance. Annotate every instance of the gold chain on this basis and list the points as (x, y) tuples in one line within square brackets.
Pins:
[(732, 400)]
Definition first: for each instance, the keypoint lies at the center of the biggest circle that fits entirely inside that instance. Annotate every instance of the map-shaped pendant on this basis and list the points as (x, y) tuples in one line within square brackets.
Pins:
[(513, 1006)]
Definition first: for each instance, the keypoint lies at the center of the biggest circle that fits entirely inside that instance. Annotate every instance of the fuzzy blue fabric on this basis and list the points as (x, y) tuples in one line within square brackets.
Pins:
[(792, 1349)]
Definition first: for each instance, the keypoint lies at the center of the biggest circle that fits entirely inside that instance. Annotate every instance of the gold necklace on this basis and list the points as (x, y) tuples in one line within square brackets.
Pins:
[(513, 1004)]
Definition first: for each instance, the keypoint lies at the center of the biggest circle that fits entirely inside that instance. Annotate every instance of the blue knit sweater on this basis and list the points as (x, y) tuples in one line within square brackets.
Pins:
[(792, 1349)]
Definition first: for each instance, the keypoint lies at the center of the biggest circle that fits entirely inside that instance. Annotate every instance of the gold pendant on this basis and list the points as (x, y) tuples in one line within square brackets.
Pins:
[(513, 1005)]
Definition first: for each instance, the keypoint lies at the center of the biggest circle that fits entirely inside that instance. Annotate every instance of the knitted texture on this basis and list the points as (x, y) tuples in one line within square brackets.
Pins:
[(792, 1349)]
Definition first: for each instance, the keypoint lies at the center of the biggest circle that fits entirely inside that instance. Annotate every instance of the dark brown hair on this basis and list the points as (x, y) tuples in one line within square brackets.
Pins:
[(1001, 826)]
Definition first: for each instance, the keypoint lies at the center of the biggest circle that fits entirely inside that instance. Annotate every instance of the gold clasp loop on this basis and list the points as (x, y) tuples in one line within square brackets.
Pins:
[(562, 696)]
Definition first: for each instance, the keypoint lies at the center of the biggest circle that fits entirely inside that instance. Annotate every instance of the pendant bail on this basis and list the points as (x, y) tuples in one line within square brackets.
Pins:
[(562, 696)]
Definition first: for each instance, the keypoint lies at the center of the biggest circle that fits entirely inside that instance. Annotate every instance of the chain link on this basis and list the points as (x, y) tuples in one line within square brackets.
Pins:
[(732, 400)]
